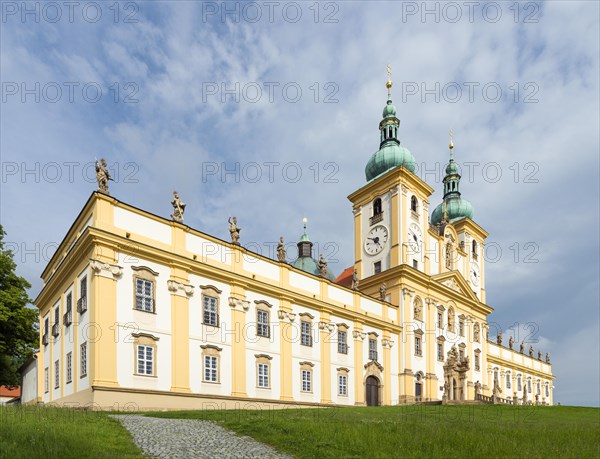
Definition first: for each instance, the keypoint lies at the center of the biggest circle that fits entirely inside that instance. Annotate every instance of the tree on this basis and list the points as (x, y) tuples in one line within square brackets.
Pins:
[(18, 334)]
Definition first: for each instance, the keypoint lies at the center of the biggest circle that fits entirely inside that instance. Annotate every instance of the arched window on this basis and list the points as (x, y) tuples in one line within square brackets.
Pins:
[(418, 386), (377, 206), (414, 204)]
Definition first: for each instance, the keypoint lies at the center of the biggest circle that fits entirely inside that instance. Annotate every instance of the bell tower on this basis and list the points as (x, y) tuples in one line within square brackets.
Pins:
[(390, 210)]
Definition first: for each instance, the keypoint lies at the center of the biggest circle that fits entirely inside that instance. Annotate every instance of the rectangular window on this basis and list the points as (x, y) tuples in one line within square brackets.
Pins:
[(83, 360), (305, 334), (508, 381), (377, 267), (547, 391), (306, 381), (372, 349), (529, 386), (56, 324), (82, 301), (519, 387), (211, 311), (144, 300), (461, 355), (417, 345), (210, 368), (56, 374), (67, 318), (440, 349), (342, 344), (145, 360), (263, 375), (476, 362), (461, 327), (440, 321), (539, 392), (69, 367), (46, 380), (343, 385), (262, 319), (415, 264)]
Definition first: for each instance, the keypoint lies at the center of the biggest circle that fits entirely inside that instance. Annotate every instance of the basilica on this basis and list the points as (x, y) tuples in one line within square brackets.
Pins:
[(139, 311)]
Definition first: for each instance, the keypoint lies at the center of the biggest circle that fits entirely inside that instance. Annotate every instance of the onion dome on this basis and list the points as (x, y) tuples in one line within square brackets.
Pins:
[(390, 154), (453, 207), (305, 260)]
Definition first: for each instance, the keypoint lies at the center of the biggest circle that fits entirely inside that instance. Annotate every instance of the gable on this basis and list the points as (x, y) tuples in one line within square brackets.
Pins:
[(455, 281)]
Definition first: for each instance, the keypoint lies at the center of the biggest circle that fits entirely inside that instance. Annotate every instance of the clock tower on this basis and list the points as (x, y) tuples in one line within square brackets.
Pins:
[(391, 210)]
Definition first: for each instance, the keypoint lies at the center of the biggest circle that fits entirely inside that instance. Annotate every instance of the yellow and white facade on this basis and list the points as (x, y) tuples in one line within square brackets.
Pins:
[(141, 312)]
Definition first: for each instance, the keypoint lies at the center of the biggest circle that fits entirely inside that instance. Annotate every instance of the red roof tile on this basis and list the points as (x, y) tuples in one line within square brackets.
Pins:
[(6, 392), (345, 279)]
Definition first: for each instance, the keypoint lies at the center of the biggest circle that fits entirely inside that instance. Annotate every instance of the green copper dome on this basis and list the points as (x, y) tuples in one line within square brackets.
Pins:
[(390, 154), (456, 208), (305, 260), (309, 265), (388, 157)]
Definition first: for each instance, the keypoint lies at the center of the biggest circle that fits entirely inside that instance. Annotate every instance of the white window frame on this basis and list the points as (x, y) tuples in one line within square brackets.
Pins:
[(306, 333), (69, 367), (343, 385), (56, 374), (263, 375), (210, 310), (83, 360), (146, 359), (144, 301), (372, 349), (342, 342), (211, 368), (306, 383), (46, 380), (418, 345), (262, 323)]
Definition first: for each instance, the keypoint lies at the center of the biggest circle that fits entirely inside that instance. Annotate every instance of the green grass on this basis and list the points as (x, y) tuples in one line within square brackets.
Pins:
[(38, 432), (418, 431)]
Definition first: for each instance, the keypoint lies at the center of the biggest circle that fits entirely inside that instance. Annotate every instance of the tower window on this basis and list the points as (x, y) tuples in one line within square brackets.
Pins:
[(377, 267), (414, 204), (415, 264), (377, 206)]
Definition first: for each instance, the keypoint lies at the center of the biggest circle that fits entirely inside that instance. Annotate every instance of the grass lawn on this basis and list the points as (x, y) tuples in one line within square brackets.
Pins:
[(37, 432), (418, 431)]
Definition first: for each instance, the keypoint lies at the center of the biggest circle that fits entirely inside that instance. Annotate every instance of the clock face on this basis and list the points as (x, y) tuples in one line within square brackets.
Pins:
[(475, 274), (376, 240), (415, 239)]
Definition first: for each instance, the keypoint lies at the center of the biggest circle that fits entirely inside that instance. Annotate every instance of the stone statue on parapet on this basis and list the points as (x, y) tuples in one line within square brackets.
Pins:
[(355, 280), (511, 342), (499, 338), (530, 351), (234, 230), (522, 347), (102, 176), (322, 266), (382, 292), (178, 208), (547, 357), (281, 250)]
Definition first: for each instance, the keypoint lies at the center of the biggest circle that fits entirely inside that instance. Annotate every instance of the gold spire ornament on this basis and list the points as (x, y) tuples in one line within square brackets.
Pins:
[(389, 80), (451, 145)]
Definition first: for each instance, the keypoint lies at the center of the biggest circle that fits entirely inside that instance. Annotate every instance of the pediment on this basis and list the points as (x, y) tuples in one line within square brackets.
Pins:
[(455, 281)]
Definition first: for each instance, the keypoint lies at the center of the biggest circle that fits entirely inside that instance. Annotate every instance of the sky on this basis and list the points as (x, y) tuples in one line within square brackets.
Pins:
[(269, 111)]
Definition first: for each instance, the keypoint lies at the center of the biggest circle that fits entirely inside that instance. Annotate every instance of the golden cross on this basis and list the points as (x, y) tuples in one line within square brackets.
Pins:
[(451, 145)]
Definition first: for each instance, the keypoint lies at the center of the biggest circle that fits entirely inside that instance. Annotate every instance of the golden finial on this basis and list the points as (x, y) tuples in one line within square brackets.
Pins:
[(389, 80), (451, 145)]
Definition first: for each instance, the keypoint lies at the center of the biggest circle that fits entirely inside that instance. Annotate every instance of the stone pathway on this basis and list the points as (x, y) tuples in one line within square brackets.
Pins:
[(191, 438)]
